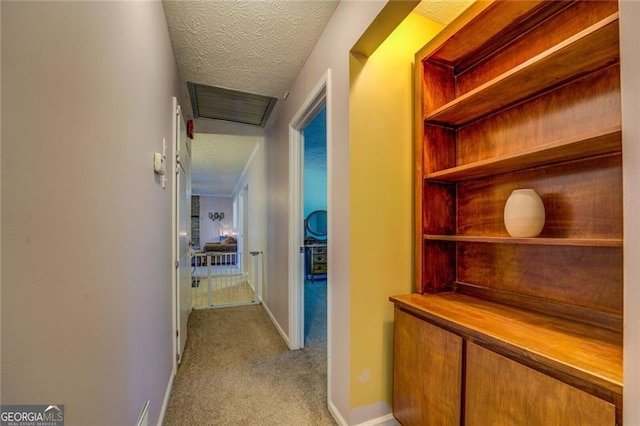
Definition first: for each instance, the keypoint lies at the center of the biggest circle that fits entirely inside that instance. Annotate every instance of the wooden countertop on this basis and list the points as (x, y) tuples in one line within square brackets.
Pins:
[(585, 356)]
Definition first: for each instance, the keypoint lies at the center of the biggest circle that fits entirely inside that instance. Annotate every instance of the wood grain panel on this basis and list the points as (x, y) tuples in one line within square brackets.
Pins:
[(440, 86), (610, 321), (439, 208), (582, 199), (586, 277), (587, 105), (427, 373), (550, 32), (439, 266), (500, 391), (439, 148)]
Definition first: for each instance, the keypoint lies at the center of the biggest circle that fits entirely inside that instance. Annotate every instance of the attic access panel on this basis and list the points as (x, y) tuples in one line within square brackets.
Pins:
[(218, 103)]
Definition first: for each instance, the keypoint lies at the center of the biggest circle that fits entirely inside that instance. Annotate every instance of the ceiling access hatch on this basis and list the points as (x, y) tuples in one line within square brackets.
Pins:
[(230, 105)]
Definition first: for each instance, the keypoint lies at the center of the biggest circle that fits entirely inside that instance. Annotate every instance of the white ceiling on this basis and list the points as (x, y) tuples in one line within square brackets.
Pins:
[(255, 46), (218, 162), (442, 11)]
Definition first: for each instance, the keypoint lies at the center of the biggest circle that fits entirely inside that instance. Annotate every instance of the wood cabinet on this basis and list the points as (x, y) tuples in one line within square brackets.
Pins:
[(518, 95), (494, 395), (428, 391), (580, 364)]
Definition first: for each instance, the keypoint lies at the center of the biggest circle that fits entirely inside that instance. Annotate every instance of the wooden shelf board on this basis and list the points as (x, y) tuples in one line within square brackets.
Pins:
[(589, 50), (602, 142), (609, 320), (475, 28), (569, 350), (585, 242)]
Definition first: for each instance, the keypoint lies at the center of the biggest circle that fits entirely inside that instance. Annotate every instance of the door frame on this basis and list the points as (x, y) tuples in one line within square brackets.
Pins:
[(178, 127), (174, 236), (319, 97)]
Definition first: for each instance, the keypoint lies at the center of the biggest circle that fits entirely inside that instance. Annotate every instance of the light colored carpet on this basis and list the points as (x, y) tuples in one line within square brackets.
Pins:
[(237, 370)]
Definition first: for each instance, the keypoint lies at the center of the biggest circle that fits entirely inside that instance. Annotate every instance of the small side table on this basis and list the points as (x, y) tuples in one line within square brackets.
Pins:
[(315, 260)]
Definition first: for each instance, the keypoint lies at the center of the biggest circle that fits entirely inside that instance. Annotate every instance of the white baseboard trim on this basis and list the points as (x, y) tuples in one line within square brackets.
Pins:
[(336, 414), (165, 401), (275, 323), (387, 420)]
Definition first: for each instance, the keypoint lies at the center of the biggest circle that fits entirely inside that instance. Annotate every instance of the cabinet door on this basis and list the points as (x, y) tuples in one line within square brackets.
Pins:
[(500, 391), (427, 373)]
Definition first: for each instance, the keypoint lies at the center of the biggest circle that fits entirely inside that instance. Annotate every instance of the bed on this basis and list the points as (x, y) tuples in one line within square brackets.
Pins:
[(222, 253)]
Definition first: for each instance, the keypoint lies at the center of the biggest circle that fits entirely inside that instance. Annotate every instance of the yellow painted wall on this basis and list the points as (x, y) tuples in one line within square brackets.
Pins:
[(381, 180)]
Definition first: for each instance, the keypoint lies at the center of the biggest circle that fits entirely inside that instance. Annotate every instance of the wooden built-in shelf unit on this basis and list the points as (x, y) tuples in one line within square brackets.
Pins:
[(517, 94)]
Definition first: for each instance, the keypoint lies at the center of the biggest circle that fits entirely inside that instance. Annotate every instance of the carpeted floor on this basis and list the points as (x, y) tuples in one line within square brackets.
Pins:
[(315, 314), (237, 370)]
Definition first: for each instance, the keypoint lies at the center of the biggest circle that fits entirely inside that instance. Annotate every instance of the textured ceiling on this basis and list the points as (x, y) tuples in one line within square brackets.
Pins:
[(255, 46), (442, 11), (218, 162), (246, 45), (251, 46)]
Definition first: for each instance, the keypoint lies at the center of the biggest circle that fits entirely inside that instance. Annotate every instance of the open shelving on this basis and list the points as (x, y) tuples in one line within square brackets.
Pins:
[(593, 242), (601, 142), (591, 49), (521, 95)]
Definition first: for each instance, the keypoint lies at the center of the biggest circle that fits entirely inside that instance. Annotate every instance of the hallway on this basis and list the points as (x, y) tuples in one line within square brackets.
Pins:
[(237, 370)]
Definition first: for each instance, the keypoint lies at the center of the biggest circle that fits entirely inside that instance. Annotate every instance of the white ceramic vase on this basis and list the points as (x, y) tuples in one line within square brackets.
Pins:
[(524, 214)]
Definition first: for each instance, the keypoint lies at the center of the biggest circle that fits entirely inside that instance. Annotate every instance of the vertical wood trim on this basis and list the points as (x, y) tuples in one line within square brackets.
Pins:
[(463, 383), (418, 180)]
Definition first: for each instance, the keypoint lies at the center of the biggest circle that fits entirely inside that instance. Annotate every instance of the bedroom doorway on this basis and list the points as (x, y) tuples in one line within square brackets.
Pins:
[(314, 206), (299, 253)]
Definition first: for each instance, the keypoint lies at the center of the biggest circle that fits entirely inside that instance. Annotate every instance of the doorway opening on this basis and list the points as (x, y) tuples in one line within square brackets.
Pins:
[(314, 199), (316, 107), (222, 264)]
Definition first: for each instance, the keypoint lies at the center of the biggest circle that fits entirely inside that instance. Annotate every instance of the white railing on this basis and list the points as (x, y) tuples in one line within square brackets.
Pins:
[(219, 279)]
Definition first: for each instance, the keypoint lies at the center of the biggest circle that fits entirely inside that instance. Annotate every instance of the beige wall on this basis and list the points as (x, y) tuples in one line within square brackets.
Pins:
[(349, 21), (255, 179), (86, 225), (211, 231), (630, 69), (381, 177)]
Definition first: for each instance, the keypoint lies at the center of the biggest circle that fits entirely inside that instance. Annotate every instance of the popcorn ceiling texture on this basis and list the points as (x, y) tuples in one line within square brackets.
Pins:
[(442, 11), (252, 46)]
